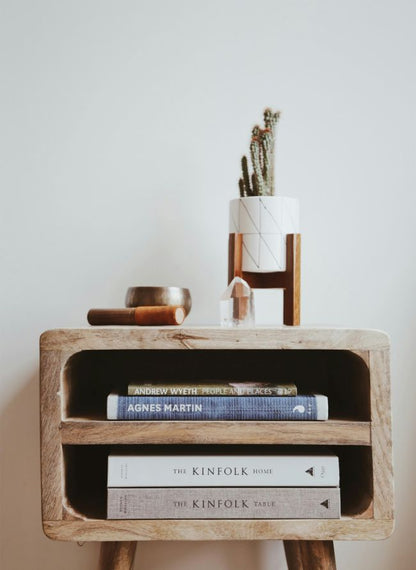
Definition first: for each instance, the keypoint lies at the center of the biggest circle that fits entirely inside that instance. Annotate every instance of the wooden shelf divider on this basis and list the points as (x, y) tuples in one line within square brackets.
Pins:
[(332, 432)]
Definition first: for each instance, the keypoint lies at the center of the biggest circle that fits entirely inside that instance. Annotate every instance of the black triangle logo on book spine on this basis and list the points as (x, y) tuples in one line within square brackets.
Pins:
[(325, 504), (310, 471)]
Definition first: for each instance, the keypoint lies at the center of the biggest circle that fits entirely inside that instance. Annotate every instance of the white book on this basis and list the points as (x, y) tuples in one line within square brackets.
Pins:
[(223, 471)]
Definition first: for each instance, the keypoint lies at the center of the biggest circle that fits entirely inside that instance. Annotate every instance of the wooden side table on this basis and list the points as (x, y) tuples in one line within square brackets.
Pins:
[(79, 367)]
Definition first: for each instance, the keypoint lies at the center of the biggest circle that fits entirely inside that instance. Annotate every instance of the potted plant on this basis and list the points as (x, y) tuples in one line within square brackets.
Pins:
[(263, 218)]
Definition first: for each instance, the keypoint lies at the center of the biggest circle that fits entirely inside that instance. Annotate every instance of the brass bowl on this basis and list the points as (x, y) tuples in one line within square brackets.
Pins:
[(149, 296)]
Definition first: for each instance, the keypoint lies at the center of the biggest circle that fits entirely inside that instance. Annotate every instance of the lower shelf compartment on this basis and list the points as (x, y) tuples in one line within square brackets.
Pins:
[(86, 474)]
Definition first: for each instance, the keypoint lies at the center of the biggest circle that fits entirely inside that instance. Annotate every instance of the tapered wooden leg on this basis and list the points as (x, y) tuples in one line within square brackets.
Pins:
[(310, 554), (235, 256), (291, 295), (117, 555)]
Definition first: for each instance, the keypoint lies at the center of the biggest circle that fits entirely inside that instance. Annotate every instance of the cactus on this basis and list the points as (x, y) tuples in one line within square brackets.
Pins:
[(246, 177), (262, 159)]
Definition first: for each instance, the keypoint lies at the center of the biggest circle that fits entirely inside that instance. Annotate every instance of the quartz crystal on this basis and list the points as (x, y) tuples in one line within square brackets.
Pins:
[(237, 304)]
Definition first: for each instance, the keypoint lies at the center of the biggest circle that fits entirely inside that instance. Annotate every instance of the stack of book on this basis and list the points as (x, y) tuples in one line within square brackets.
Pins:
[(223, 486), (216, 401)]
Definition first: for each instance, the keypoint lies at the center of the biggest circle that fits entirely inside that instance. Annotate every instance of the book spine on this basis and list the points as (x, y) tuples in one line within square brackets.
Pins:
[(211, 389), (201, 408), (224, 503), (223, 471)]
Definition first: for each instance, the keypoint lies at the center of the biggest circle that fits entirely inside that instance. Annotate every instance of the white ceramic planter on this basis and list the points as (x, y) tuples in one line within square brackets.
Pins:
[(264, 222)]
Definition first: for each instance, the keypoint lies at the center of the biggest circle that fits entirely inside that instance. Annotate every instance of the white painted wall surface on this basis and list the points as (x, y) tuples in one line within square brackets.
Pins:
[(122, 127)]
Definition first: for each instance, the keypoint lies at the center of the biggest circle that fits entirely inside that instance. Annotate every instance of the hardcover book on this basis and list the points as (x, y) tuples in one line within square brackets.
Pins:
[(213, 389), (223, 471), (311, 407), (224, 503)]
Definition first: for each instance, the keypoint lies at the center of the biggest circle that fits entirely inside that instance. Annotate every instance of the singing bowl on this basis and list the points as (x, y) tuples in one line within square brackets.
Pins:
[(149, 296)]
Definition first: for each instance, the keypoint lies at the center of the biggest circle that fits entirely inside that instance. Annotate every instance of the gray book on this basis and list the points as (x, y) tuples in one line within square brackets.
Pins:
[(224, 503)]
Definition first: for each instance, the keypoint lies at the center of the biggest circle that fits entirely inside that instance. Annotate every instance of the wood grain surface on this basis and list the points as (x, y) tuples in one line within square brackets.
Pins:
[(367, 487), (331, 432), (117, 555), (310, 554), (103, 530), (206, 338), (154, 315), (52, 467), (381, 434)]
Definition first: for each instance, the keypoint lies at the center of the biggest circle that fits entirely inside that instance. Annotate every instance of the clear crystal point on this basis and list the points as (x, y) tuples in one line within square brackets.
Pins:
[(237, 304)]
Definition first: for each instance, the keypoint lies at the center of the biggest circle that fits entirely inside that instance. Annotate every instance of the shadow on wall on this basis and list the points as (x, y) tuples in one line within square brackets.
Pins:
[(23, 544), (208, 555)]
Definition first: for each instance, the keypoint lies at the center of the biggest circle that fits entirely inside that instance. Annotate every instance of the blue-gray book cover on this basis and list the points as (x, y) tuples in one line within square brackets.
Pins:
[(267, 408)]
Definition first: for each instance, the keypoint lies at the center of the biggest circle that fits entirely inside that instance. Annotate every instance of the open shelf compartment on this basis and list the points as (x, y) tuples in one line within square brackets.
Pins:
[(343, 376), (86, 474)]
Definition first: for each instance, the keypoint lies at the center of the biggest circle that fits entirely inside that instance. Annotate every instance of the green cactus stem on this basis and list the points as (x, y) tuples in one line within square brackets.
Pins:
[(270, 122), (256, 159), (246, 177), (266, 146), (262, 146), (254, 184)]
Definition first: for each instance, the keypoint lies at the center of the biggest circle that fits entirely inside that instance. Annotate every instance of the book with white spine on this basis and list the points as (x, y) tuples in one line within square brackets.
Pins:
[(288, 470)]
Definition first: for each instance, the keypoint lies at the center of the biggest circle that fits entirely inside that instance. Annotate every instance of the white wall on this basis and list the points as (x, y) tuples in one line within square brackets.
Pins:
[(122, 126)]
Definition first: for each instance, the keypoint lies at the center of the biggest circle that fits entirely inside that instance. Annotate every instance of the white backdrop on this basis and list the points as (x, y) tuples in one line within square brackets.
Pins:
[(122, 127)]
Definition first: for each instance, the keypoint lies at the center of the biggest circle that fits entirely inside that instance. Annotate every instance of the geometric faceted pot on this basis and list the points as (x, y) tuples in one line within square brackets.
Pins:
[(264, 222)]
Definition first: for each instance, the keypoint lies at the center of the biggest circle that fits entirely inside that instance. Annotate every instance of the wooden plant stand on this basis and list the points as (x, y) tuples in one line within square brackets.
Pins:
[(288, 280), (79, 367)]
